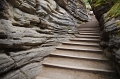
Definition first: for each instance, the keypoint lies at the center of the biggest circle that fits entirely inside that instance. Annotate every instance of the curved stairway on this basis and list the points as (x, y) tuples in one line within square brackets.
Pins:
[(79, 58)]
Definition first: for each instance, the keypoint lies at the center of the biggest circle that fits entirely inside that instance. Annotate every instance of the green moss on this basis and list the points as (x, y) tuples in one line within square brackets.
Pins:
[(86, 2), (96, 3), (114, 11), (118, 32), (118, 23)]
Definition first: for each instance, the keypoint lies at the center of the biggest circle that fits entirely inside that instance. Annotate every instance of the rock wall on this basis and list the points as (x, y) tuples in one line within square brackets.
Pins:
[(108, 14), (29, 31)]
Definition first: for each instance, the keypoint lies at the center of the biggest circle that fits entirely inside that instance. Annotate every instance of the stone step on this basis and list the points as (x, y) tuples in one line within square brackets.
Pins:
[(92, 24), (63, 73), (85, 39), (79, 48), (79, 64), (81, 43), (78, 68), (89, 31), (95, 34), (80, 54), (86, 36), (94, 28), (38, 77), (87, 27), (78, 57)]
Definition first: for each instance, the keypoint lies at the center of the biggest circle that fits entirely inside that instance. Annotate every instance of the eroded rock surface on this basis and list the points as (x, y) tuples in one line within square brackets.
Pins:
[(29, 31)]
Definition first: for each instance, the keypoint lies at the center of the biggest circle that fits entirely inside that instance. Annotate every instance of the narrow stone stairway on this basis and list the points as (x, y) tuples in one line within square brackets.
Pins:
[(79, 58)]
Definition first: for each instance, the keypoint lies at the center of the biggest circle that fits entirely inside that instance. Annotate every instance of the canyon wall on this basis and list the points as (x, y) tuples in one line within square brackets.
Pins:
[(108, 14), (30, 30)]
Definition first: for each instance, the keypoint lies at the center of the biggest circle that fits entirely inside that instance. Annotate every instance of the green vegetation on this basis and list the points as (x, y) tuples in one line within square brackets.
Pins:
[(114, 11), (87, 5), (118, 23), (86, 2), (96, 3)]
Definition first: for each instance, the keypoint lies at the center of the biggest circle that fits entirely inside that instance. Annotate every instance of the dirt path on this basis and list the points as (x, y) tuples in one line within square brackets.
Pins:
[(79, 58)]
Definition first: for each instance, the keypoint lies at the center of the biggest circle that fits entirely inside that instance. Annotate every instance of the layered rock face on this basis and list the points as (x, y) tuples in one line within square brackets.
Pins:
[(29, 31), (108, 14)]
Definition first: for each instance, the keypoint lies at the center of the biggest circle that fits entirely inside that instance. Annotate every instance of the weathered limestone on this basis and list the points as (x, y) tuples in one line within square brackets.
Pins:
[(75, 8)]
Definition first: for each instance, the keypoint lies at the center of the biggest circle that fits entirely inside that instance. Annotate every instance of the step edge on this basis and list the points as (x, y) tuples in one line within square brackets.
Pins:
[(84, 40), (77, 36), (89, 31), (41, 77), (78, 68), (89, 34), (78, 49), (69, 43), (76, 57), (86, 35)]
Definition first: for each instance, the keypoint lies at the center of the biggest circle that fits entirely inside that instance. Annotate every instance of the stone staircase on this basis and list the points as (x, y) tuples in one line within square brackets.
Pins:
[(79, 58)]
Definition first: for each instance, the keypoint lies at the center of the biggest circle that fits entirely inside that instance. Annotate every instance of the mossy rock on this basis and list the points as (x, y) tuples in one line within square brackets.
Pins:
[(117, 23), (114, 11)]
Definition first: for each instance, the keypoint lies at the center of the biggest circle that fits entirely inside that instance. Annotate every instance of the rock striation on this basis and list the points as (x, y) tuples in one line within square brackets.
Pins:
[(29, 31), (108, 14)]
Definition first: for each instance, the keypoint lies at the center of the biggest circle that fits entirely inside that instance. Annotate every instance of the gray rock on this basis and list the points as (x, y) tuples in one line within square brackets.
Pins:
[(18, 74), (4, 10), (25, 5), (26, 72), (61, 22), (6, 63), (32, 2), (74, 8), (31, 70), (18, 37), (24, 19), (33, 55)]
